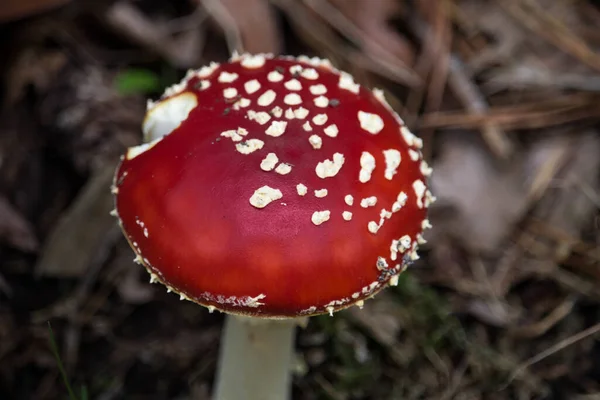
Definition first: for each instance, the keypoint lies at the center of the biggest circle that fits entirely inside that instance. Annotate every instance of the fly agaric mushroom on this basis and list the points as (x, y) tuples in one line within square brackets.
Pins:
[(272, 188)]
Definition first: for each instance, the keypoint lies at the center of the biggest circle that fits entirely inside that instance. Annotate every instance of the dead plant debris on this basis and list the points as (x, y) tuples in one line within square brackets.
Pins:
[(504, 303)]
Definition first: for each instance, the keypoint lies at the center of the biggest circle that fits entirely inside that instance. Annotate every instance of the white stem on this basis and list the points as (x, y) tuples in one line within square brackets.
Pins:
[(255, 359)]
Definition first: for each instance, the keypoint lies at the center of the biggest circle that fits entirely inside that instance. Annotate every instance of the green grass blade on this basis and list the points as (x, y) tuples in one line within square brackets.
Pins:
[(61, 368)]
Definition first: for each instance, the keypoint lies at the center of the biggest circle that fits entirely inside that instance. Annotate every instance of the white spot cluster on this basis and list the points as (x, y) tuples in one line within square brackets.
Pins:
[(321, 193), (266, 98), (300, 113), (318, 89), (292, 99), (301, 189), (373, 227), (392, 162), (331, 130), (226, 77), (425, 169), (269, 162), (277, 112), (204, 84), (346, 82), (261, 117), (321, 101), (400, 202), (310, 74), (319, 217), (367, 165), (419, 188), (315, 141), (235, 135), (252, 86), (368, 202), (410, 138), (253, 61), (274, 76), (295, 69), (207, 70), (241, 103), (283, 169), (394, 250), (404, 243), (329, 168), (230, 93), (429, 199), (413, 154), (317, 62), (236, 301), (265, 195), (381, 264), (180, 87), (276, 129), (319, 119), (249, 146), (370, 122), (293, 84), (309, 310), (142, 225)]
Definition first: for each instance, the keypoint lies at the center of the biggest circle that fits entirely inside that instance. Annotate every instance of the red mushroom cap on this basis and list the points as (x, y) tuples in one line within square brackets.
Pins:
[(281, 188)]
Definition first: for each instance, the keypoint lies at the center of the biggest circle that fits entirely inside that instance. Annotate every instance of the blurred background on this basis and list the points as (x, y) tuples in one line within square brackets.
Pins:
[(505, 301)]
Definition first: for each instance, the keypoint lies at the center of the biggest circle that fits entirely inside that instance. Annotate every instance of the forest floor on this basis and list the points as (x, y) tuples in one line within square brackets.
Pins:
[(505, 300)]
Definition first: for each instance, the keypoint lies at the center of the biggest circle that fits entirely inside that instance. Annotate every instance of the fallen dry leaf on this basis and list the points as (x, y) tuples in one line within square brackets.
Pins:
[(479, 201)]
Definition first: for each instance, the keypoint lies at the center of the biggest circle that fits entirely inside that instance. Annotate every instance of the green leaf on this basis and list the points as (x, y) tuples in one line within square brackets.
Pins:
[(137, 81)]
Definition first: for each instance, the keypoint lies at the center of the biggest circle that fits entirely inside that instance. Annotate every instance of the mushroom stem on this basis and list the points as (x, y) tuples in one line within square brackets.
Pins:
[(255, 359)]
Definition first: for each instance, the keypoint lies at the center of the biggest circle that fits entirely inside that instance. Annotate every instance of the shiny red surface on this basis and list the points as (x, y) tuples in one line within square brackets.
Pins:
[(191, 192)]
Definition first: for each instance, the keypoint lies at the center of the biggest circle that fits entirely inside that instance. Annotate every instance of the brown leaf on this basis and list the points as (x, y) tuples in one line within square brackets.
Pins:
[(75, 240), (482, 200)]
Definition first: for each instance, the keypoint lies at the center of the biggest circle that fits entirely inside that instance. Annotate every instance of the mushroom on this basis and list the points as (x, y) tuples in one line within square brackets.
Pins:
[(271, 189)]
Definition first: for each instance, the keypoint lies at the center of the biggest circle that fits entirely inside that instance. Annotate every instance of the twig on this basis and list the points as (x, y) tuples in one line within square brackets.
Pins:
[(332, 15), (226, 22), (540, 327), (181, 51), (472, 99), (568, 108), (533, 17), (554, 233), (563, 278), (551, 350)]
